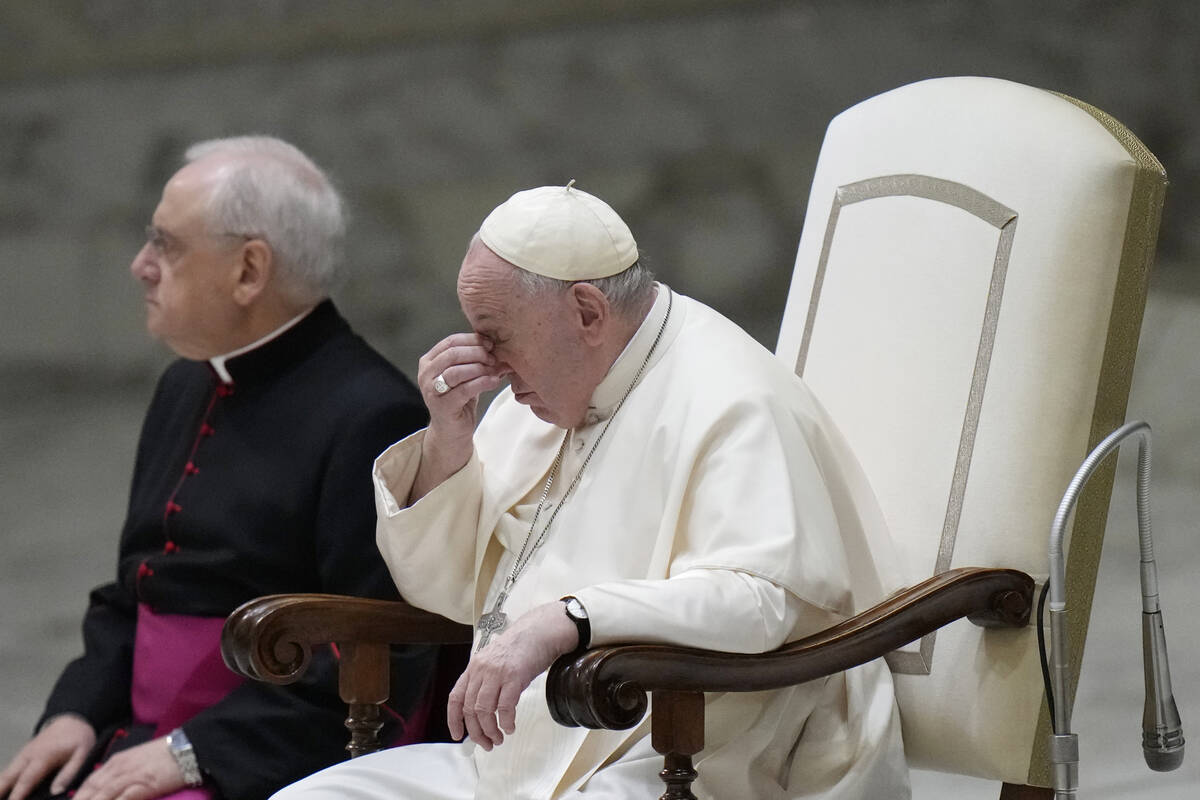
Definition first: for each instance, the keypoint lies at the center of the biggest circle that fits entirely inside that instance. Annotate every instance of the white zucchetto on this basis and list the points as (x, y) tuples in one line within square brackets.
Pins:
[(560, 232)]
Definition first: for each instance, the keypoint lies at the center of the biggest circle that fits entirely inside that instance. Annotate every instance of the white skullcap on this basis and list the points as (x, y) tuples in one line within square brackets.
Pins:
[(560, 232)]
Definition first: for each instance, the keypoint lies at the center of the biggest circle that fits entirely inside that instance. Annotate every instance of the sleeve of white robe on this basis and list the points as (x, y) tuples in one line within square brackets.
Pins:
[(756, 615), (429, 547)]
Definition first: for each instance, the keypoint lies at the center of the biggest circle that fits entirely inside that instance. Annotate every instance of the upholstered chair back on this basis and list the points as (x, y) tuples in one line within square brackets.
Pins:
[(966, 303)]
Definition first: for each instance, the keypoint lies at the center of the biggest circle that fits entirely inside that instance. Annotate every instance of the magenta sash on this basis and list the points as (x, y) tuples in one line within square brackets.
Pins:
[(177, 673)]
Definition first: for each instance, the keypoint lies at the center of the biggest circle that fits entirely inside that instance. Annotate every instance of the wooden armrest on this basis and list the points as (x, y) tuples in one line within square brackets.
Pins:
[(606, 687), (271, 638)]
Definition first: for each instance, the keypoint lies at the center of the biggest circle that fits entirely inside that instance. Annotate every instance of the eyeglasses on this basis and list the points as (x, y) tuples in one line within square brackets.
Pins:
[(165, 244)]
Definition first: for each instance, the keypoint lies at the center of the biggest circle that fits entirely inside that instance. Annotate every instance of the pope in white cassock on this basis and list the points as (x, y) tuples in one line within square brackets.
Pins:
[(650, 474)]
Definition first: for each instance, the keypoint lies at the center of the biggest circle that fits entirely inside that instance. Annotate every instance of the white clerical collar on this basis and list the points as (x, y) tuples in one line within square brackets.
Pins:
[(616, 383), (218, 362)]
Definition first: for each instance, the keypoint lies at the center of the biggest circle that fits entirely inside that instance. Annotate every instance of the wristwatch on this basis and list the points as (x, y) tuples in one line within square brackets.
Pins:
[(185, 757), (578, 614)]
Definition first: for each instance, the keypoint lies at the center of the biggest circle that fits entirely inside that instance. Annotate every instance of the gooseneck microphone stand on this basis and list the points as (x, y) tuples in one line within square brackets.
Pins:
[(1162, 731)]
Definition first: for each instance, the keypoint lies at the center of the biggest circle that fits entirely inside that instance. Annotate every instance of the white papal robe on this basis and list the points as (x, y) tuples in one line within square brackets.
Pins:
[(720, 510)]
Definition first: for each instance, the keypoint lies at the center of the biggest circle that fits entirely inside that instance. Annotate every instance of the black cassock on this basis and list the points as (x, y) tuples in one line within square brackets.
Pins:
[(257, 487)]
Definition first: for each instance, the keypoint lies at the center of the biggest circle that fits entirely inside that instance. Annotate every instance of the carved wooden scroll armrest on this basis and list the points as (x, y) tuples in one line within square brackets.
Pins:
[(271, 639), (606, 687)]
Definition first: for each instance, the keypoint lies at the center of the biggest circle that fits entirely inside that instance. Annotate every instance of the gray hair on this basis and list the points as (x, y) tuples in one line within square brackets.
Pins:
[(276, 193), (626, 290)]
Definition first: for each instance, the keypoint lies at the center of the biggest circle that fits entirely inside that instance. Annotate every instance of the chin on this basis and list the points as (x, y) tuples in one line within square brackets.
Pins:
[(546, 415), (540, 410)]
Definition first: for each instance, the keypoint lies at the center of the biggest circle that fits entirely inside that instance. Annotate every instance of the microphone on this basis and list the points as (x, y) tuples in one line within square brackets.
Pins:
[(1162, 730)]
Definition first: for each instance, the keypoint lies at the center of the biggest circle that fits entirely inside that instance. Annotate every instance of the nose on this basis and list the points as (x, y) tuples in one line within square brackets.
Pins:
[(144, 266)]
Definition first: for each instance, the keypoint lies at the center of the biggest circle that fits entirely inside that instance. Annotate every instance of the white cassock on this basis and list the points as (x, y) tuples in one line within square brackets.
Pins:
[(721, 510)]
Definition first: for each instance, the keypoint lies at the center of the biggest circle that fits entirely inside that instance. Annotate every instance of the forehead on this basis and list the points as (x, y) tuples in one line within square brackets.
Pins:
[(487, 289), (185, 196)]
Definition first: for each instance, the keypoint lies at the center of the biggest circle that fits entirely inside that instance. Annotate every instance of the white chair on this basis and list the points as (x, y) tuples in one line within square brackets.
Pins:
[(966, 302)]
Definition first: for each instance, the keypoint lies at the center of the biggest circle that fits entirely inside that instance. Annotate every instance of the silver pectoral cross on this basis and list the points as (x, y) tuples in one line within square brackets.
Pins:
[(493, 621)]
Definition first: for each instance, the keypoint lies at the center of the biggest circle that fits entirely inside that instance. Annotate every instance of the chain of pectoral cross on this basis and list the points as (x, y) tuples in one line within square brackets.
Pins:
[(496, 620)]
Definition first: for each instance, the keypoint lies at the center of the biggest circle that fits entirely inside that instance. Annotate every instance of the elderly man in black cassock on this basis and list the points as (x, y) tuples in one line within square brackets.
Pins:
[(252, 477)]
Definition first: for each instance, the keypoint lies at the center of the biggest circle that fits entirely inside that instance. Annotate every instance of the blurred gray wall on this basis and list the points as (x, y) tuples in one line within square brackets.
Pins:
[(698, 120)]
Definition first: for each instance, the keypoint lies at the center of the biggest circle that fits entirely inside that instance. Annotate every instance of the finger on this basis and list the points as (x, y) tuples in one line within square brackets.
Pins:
[(87, 789), (470, 716), (459, 374), (69, 770), (93, 786), (10, 774), (135, 791), (485, 710), (461, 354), (467, 391), (454, 707), (506, 707), (34, 772), (457, 340), (476, 732), (100, 789), (454, 376)]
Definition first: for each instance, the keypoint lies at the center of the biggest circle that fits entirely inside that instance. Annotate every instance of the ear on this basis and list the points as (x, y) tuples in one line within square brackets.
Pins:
[(255, 267), (592, 311)]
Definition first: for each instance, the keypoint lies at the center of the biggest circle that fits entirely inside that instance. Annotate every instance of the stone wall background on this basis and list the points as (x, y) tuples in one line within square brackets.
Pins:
[(699, 121)]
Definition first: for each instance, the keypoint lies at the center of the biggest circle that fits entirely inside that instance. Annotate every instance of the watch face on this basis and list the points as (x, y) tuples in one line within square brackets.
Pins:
[(576, 609)]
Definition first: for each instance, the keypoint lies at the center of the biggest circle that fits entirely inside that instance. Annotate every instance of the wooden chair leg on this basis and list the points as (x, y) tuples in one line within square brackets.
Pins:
[(364, 723), (363, 683), (1011, 791), (677, 732)]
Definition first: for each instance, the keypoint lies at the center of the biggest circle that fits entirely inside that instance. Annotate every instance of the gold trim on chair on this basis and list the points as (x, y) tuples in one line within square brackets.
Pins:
[(1005, 220)]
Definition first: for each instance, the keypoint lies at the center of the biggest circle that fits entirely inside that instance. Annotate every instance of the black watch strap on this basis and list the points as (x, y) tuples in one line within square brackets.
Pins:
[(578, 614)]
